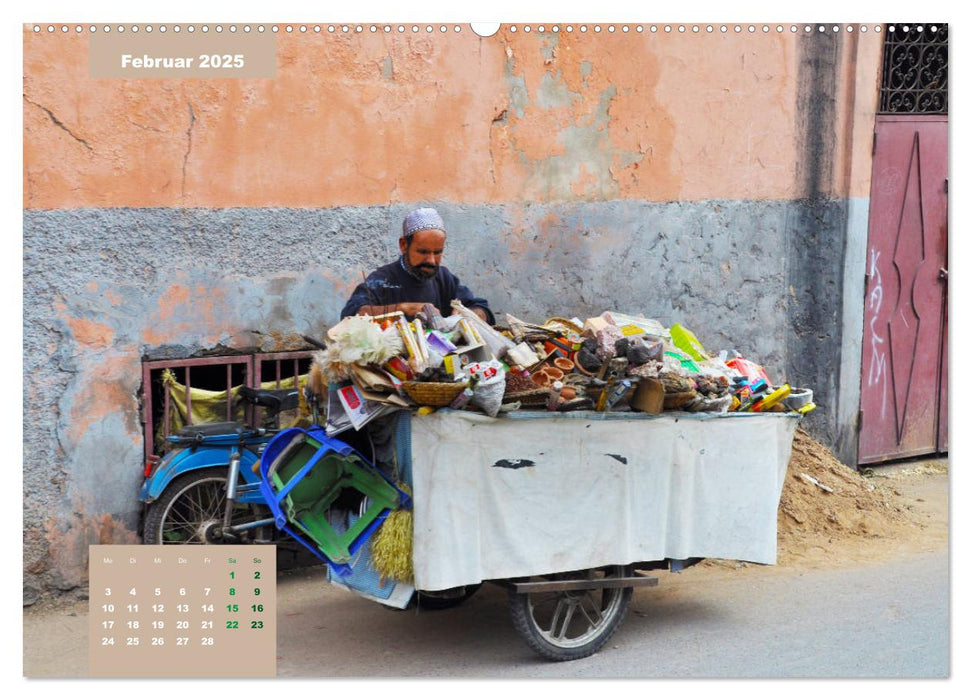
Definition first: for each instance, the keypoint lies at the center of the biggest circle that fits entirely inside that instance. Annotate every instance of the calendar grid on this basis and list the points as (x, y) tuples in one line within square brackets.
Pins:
[(182, 611)]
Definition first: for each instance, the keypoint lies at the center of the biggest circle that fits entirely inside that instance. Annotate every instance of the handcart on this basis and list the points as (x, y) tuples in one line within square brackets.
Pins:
[(568, 511)]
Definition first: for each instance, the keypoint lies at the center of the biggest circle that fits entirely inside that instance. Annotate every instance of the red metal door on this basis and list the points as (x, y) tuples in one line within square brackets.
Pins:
[(904, 341)]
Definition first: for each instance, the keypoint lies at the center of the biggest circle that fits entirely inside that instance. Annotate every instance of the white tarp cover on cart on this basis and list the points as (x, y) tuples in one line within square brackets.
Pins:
[(535, 493)]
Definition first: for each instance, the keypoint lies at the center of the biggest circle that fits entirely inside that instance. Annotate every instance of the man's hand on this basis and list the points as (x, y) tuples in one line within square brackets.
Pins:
[(409, 308)]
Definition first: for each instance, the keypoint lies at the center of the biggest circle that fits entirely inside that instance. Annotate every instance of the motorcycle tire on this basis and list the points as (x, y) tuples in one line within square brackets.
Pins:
[(192, 507)]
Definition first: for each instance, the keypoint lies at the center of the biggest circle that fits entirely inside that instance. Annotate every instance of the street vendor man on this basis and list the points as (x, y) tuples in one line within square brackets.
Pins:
[(417, 277)]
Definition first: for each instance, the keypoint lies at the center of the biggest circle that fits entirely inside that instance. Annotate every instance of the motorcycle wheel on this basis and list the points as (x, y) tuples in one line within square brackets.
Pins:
[(191, 509), (572, 624)]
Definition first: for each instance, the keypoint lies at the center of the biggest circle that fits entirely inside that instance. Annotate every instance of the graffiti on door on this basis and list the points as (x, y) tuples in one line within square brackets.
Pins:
[(901, 390)]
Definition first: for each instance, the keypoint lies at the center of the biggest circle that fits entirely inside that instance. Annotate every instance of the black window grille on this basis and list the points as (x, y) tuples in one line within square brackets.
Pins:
[(914, 69)]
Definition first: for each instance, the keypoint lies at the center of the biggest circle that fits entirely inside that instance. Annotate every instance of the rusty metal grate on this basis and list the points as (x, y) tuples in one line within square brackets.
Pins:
[(915, 67), (219, 373), (276, 367)]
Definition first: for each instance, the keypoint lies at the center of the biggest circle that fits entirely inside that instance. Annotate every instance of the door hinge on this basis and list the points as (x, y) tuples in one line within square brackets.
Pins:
[(874, 150), (859, 419), (945, 185)]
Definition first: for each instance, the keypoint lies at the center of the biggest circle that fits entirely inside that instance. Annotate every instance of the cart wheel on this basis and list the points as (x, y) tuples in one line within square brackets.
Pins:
[(572, 624)]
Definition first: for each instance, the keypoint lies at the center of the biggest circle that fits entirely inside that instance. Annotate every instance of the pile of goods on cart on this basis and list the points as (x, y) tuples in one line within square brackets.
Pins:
[(611, 362)]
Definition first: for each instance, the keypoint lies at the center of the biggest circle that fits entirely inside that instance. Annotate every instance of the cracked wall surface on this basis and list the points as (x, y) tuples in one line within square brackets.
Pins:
[(368, 119), (701, 180)]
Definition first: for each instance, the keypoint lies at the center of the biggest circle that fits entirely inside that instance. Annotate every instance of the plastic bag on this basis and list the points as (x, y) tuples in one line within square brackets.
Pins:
[(633, 325), (748, 369), (488, 394), (484, 370), (687, 342)]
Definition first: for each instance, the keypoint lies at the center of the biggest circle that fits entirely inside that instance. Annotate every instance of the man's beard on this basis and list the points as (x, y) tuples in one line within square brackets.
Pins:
[(419, 272)]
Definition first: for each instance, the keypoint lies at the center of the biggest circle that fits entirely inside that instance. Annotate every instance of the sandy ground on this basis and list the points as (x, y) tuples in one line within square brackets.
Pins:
[(894, 512)]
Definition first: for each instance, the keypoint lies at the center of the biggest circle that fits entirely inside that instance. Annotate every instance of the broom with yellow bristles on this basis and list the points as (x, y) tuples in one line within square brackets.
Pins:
[(392, 545)]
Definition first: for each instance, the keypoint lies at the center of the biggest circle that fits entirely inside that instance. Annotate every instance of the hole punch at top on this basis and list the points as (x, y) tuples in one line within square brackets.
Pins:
[(485, 29)]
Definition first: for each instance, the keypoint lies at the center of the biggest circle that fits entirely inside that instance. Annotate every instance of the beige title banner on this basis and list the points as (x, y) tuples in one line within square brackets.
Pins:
[(200, 54)]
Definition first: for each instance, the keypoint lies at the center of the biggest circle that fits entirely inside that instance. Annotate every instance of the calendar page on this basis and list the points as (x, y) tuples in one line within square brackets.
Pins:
[(204, 200), (182, 611)]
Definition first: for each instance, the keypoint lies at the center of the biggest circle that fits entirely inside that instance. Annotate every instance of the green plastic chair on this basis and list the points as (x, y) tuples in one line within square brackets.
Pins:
[(306, 472)]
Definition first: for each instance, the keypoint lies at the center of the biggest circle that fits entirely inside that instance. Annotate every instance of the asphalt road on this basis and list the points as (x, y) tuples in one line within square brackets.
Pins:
[(884, 620), (889, 620)]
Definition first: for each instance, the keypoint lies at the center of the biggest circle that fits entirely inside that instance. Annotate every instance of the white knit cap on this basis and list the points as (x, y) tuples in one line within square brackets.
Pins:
[(421, 220)]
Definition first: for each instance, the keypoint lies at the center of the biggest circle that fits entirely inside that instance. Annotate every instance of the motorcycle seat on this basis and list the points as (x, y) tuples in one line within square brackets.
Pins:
[(210, 429), (275, 400)]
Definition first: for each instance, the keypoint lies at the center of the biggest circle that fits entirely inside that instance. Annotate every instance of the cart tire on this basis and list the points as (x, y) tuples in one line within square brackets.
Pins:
[(573, 624), (430, 601), (190, 506)]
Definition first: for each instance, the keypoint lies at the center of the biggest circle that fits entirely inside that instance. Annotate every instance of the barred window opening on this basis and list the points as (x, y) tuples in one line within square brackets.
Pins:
[(169, 387), (915, 67)]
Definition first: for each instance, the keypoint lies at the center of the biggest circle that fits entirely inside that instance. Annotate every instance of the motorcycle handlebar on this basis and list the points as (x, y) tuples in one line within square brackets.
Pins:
[(313, 341)]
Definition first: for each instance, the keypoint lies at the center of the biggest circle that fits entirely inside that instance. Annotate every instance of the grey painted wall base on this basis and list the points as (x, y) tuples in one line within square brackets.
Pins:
[(106, 288), (847, 407)]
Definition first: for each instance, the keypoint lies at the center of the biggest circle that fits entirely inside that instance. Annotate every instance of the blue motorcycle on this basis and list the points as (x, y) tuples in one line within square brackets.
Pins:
[(206, 490)]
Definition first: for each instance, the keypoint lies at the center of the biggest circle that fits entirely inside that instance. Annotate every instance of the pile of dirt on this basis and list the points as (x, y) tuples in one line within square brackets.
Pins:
[(827, 505)]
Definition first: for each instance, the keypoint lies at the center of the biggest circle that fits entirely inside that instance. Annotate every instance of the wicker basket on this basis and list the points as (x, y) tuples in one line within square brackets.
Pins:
[(433, 393)]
